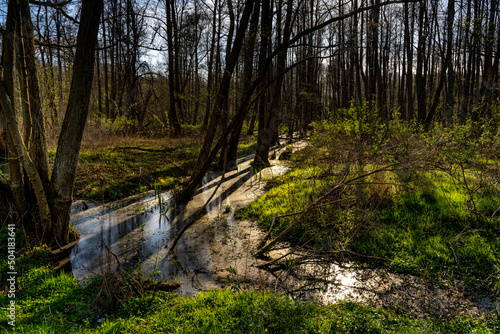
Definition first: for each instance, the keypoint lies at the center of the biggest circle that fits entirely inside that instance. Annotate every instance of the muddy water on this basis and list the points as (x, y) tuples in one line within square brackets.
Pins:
[(137, 230)]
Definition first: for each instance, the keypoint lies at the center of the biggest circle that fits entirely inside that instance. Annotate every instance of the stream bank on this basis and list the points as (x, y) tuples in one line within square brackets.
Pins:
[(217, 251)]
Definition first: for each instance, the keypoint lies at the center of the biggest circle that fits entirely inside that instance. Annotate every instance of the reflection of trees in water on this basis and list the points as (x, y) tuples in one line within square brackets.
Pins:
[(328, 278)]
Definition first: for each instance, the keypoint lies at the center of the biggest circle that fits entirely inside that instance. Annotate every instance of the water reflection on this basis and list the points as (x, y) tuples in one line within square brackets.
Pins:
[(135, 230)]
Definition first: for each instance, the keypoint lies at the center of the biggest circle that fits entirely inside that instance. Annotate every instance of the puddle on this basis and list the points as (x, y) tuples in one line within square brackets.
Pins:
[(137, 229)]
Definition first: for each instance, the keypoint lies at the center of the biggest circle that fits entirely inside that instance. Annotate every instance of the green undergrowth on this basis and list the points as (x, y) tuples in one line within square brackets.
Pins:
[(110, 173), (129, 166), (287, 194), (51, 302), (423, 219), (132, 166), (3, 171)]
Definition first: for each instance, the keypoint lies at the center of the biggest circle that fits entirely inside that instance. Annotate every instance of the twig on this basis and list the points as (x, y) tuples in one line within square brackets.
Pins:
[(114, 255), (494, 213), (453, 251), (324, 255), (317, 206), (139, 148), (360, 255), (268, 234)]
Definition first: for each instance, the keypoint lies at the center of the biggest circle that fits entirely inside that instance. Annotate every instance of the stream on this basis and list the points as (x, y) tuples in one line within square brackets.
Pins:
[(216, 252)]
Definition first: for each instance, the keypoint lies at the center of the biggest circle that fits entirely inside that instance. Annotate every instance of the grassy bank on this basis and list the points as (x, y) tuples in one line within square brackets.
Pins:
[(50, 302), (118, 166), (425, 205), (132, 166)]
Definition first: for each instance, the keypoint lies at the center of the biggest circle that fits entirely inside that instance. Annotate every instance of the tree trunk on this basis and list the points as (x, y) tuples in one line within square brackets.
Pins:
[(420, 78), (225, 110), (225, 82), (232, 151), (16, 179), (68, 146), (173, 94), (270, 135), (263, 137), (29, 166), (206, 154), (446, 64), (409, 64)]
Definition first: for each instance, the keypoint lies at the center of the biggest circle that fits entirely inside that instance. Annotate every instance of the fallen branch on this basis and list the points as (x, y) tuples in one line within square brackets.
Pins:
[(118, 269), (319, 201), (194, 217), (360, 255), (317, 206), (140, 148), (322, 255)]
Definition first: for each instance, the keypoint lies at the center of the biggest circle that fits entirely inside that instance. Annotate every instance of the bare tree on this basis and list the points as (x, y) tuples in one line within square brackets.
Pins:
[(54, 195)]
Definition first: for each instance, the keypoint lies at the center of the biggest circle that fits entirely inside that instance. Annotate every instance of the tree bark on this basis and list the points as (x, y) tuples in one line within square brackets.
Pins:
[(225, 82), (173, 93), (446, 64), (68, 146), (263, 136), (420, 77), (16, 179), (248, 68), (270, 135), (29, 166)]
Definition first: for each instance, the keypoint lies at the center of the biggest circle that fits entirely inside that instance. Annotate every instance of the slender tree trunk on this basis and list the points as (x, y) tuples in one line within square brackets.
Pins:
[(487, 79), (206, 157), (210, 68), (172, 112), (409, 64), (59, 66), (420, 78), (225, 81), (16, 179), (225, 109), (232, 151), (271, 136), (28, 164), (446, 63), (263, 99)]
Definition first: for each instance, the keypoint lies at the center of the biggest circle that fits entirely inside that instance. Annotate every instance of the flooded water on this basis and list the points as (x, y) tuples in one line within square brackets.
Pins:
[(216, 252), (137, 229)]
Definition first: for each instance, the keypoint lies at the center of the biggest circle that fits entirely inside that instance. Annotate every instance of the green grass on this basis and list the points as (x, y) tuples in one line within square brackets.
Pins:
[(287, 194), (4, 169), (110, 172), (429, 231), (420, 225), (107, 174)]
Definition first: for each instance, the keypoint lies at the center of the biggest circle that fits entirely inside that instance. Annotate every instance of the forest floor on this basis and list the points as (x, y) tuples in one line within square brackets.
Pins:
[(406, 220), (117, 167)]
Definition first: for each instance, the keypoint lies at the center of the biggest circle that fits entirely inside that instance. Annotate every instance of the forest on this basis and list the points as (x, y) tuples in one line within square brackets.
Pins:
[(310, 166)]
